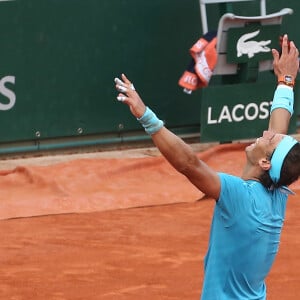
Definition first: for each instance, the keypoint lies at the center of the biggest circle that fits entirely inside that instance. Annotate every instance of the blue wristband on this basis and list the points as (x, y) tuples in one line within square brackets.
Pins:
[(150, 121), (283, 98)]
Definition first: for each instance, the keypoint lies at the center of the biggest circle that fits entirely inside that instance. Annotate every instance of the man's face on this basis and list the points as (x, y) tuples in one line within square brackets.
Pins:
[(264, 146)]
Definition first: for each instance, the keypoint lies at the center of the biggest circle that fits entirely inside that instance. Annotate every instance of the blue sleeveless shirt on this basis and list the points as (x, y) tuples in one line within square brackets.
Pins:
[(244, 240)]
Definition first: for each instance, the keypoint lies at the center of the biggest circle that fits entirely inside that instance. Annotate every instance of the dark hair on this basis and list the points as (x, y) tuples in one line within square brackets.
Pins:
[(290, 170)]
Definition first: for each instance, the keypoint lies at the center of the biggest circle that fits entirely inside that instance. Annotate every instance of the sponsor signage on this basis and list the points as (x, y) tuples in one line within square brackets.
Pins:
[(235, 112), (7, 95), (252, 43)]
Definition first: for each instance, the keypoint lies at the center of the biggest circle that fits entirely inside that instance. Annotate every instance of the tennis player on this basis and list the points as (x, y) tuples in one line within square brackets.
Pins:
[(250, 210)]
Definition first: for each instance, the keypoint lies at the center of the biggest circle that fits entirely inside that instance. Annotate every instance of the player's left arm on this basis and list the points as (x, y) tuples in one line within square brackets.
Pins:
[(286, 67)]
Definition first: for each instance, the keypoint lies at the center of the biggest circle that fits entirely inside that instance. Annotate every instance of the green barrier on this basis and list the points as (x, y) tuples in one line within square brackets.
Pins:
[(58, 59)]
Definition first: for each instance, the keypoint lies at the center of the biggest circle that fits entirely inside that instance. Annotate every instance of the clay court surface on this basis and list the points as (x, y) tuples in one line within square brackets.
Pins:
[(118, 225)]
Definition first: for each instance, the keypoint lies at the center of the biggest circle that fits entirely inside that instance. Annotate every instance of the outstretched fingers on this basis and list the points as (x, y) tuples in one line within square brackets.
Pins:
[(275, 56), (289, 47), (125, 79), (128, 82), (285, 45), (294, 50), (124, 85), (128, 95), (126, 89), (121, 97)]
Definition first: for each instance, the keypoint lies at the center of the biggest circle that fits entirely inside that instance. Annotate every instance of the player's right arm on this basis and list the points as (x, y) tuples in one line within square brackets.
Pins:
[(183, 158), (179, 154)]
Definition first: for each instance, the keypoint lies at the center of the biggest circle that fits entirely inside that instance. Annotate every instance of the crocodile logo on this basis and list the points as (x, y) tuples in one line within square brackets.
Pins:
[(250, 48)]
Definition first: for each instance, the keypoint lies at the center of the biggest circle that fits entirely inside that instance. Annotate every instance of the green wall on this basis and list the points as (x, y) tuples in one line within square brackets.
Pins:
[(58, 59)]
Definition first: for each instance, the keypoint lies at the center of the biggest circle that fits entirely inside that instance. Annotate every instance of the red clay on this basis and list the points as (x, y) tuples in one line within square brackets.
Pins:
[(102, 252)]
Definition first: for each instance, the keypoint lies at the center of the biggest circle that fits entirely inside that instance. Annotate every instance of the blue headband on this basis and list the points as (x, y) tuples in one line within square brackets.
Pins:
[(279, 155)]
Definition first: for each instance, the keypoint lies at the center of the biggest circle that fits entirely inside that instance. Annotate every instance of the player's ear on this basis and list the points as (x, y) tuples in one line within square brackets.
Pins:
[(265, 164)]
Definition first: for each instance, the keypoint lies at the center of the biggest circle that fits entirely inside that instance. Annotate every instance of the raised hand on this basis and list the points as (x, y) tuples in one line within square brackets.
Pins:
[(288, 62), (129, 96)]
